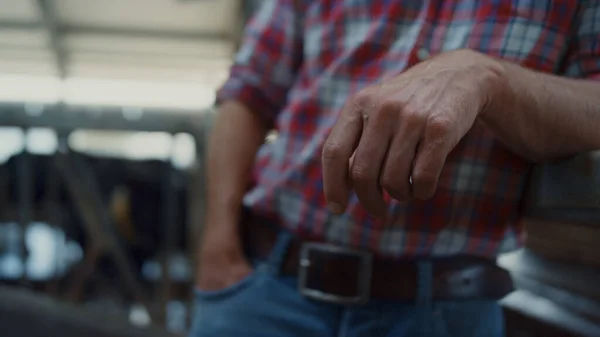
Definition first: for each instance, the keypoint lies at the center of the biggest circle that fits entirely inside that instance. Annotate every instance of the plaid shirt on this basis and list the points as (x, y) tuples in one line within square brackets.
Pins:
[(301, 60)]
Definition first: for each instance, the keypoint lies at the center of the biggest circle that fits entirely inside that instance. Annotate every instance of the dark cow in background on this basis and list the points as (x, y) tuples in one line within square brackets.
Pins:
[(140, 199)]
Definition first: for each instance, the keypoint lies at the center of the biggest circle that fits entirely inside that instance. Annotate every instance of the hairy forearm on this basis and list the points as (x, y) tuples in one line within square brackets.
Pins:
[(542, 116), (234, 141)]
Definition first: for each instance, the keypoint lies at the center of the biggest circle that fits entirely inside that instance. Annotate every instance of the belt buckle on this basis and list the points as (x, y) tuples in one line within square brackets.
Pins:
[(364, 274)]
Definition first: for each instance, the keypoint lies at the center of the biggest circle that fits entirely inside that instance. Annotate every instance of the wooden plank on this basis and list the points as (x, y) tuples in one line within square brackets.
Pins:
[(580, 216), (82, 273), (572, 183), (564, 241), (99, 227), (568, 252), (573, 234), (90, 222)]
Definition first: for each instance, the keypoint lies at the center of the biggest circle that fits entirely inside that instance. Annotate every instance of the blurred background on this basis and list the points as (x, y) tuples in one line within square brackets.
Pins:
[(104, 110)]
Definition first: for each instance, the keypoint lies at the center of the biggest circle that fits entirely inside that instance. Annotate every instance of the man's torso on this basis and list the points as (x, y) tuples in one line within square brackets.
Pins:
[(350, 44)]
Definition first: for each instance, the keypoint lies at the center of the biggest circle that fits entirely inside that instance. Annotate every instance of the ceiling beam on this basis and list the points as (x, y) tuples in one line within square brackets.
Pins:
[(20, 25), (142, 33), (50, 21), (61, 30), (60, 117)]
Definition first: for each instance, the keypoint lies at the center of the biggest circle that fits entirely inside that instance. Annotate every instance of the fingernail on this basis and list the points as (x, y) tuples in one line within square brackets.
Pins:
[(335, 207)]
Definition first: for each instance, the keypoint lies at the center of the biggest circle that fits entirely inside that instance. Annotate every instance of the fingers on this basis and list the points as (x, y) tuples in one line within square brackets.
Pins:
[(395, 176), (397, 149), (338, 149), (430, 160), (368, 161)]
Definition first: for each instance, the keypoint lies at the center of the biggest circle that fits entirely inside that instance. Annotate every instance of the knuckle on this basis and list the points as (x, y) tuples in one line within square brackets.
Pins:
[(331, 151), (438, 127), (362, 99), (412, 117), (360, 174), (388, 110), (424, 179), (390, 107)]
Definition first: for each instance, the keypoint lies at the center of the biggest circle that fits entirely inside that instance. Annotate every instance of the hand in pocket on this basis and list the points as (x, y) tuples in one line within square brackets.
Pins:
[(221, 266)]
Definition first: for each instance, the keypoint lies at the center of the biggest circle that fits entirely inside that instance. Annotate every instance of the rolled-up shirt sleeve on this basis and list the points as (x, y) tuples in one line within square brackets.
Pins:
[(584, 54), (266, 64)]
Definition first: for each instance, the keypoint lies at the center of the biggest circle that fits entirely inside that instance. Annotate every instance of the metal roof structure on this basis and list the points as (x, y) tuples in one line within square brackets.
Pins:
[(166, 53)]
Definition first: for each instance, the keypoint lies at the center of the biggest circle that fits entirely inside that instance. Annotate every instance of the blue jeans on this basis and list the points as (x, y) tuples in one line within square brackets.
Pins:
[(266, 304)]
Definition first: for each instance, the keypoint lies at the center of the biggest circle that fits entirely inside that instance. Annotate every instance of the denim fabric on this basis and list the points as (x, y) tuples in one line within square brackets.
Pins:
[(266, 304)]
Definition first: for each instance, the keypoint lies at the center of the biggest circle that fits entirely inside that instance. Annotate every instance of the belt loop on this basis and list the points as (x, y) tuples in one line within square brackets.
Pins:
[(424, 283), (279, 251), (425, 295)]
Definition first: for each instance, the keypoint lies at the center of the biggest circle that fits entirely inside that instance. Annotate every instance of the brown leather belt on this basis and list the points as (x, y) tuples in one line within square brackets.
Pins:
[(340, 275)]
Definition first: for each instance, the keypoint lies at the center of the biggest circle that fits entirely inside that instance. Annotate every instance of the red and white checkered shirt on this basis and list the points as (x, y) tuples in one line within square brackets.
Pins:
[(301, 60)]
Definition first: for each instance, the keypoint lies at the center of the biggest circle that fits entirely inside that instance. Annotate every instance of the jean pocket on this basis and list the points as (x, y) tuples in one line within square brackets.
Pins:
[(478, 318), (229, 291)]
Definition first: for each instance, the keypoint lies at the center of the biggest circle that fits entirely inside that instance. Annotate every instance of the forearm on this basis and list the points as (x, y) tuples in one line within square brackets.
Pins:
[(234, 141), (543, 116)]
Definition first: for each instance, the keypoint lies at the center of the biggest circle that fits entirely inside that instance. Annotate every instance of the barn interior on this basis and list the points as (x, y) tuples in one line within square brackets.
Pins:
[(104, 111)]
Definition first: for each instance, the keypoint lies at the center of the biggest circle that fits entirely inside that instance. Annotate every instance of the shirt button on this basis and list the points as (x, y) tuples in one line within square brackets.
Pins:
[(422, 54)]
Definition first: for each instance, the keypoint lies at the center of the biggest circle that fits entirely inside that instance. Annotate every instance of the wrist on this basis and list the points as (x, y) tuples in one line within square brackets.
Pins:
[(494, 86), (221, 232), (222, 229), (227, 248)]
